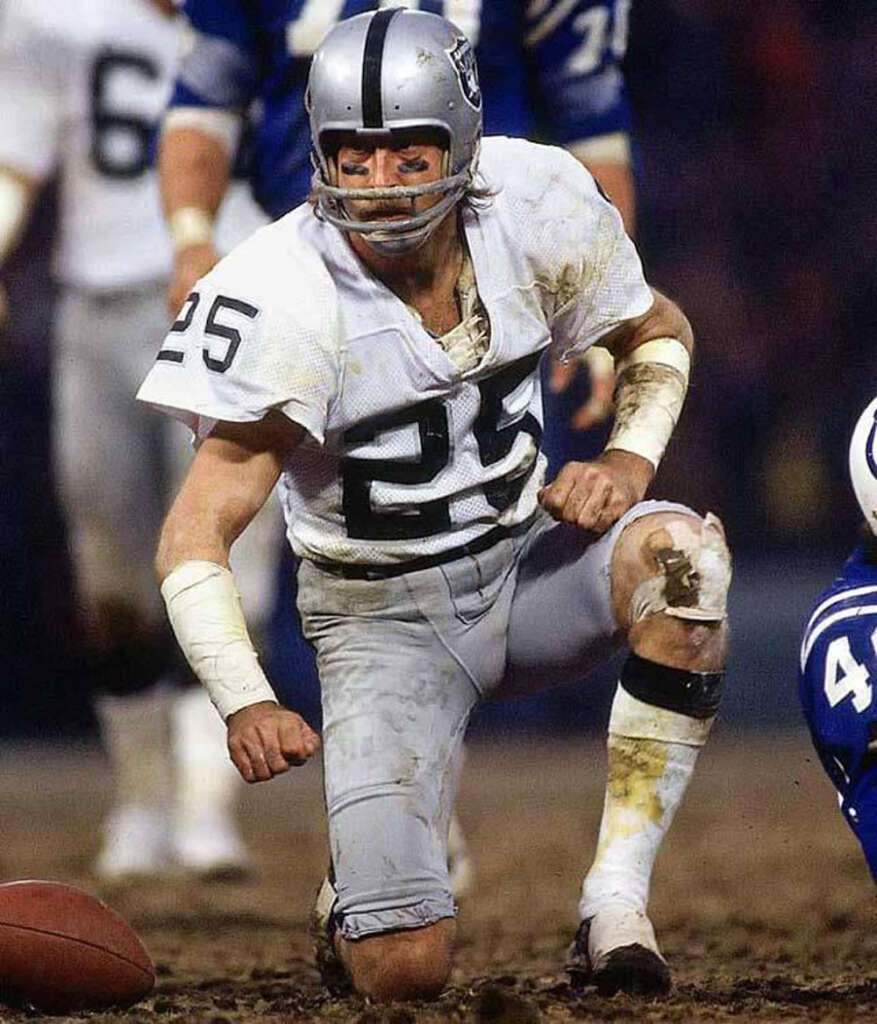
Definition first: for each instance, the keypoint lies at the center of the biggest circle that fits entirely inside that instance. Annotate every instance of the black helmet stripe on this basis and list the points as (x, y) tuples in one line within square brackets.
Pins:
[(372, 108)]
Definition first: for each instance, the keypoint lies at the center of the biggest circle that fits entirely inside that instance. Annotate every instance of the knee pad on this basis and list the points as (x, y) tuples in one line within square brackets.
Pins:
[(695, 694), (689, 572)]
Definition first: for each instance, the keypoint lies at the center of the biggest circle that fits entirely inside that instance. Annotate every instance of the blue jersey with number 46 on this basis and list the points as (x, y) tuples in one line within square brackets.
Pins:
[(837, 690), (548, 68)]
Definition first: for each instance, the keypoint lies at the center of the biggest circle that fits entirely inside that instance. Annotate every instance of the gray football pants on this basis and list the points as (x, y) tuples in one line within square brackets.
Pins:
[(119, 462), (403, 661)]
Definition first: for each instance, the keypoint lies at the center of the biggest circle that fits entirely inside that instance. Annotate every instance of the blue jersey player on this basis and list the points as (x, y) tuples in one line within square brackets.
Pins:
[(839, 659)]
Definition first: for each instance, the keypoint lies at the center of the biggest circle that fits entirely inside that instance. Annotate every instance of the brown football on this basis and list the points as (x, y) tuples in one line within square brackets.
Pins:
[(62, 949)]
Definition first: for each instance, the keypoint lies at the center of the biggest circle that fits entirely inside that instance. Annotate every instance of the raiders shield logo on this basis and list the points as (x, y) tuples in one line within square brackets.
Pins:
[(463, 60)]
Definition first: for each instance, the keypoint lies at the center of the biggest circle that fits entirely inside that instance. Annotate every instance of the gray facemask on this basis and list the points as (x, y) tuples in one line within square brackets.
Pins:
[(392, 237)]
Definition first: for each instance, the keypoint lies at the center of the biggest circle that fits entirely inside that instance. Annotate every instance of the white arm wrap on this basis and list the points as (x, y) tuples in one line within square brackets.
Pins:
[(652, 382), (204, 609)]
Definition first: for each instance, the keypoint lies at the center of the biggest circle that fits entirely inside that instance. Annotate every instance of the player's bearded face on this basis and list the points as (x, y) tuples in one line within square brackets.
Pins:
[(412, 162)]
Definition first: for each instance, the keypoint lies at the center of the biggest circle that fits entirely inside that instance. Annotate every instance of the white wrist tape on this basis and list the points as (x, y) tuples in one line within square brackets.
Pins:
[(204, 609), (652, 382), (190, 225), (14, 207)]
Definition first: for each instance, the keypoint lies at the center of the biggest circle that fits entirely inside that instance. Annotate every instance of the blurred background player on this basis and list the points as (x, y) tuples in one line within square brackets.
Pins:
[(839, 658), (82, 86), (549, 70)]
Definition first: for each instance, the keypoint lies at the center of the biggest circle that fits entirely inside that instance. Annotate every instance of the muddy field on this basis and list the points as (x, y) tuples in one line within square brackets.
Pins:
[(761, 900)]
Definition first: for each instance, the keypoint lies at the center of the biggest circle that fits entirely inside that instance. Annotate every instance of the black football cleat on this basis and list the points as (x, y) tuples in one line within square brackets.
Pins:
[(616, 951)]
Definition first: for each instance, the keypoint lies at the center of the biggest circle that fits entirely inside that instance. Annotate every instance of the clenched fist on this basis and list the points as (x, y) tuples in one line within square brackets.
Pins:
[(265, 740), (594, 495)]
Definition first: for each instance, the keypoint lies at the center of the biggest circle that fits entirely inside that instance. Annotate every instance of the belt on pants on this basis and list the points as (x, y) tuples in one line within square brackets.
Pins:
[(361, 571)]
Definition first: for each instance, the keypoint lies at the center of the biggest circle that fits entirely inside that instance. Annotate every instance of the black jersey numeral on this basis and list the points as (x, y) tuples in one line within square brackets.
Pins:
[(494, 431), (180, 326), (120, 142), (426, 519), (214, 361), (232, 335)]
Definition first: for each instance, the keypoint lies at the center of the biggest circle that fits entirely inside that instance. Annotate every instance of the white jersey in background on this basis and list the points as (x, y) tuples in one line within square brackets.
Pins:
[(409, 455), (83, 85)]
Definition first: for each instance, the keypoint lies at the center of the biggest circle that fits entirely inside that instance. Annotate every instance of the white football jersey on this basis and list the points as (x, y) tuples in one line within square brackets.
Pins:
[(408, 455), (83, 85)]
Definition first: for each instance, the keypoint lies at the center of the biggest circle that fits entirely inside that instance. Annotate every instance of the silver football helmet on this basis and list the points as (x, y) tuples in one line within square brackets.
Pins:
[(863, 464), (381, 73)]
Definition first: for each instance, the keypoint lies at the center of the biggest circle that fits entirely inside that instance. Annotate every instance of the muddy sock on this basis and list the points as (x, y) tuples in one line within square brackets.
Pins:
[(651, 758)]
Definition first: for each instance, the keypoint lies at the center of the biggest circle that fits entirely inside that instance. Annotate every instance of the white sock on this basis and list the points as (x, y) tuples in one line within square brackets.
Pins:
[(647, 777), (207, 781), (136, 738)]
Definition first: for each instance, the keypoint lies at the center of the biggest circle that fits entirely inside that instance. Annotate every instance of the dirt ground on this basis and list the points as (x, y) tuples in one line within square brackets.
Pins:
[(761, 899)]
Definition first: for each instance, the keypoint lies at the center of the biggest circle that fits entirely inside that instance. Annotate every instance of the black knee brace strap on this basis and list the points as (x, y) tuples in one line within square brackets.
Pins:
[(696, 694)]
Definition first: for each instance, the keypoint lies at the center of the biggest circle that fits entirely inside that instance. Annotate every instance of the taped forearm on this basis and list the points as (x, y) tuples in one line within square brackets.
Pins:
[(652, 382), (205, 612)]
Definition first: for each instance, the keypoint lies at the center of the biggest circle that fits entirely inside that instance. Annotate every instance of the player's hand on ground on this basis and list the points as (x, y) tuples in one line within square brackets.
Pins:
[(265, 740), (190, 265), (594, 495), (600, 367)]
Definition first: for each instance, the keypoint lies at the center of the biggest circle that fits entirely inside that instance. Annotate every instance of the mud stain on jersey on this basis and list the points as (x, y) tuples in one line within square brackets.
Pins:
[(580, 265), (556, 291)]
